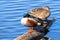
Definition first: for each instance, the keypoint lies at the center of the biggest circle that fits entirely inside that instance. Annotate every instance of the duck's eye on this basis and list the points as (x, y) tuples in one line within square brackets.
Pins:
[(33, 10), (26, 15)]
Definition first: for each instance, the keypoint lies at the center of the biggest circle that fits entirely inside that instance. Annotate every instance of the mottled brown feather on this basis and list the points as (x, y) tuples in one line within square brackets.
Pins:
[(40, 12)]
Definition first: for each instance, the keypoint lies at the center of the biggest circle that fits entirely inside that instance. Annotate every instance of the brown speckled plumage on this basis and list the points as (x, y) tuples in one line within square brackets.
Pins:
[(40, 12)]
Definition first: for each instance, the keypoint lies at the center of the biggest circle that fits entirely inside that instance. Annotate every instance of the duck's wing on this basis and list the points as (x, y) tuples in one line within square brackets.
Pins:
[(40, 12)]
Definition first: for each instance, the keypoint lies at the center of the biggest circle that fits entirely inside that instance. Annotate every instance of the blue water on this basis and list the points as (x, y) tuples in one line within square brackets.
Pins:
[(11, 11)]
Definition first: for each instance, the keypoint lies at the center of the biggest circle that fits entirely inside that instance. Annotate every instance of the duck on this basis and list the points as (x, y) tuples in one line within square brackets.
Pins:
[(35, 17)]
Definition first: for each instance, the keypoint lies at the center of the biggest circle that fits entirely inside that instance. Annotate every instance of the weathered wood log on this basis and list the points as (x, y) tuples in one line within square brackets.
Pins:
[(28, 35), (36, 35)]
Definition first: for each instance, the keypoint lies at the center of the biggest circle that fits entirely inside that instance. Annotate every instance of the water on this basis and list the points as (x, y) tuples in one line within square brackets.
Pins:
[(11, 11)]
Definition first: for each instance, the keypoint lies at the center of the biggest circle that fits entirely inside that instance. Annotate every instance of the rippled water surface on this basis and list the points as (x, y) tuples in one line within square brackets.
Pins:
[(11, 11)]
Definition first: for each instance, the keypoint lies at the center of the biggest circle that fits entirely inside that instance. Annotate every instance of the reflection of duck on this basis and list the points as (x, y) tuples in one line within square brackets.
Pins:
[(31, 19)]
